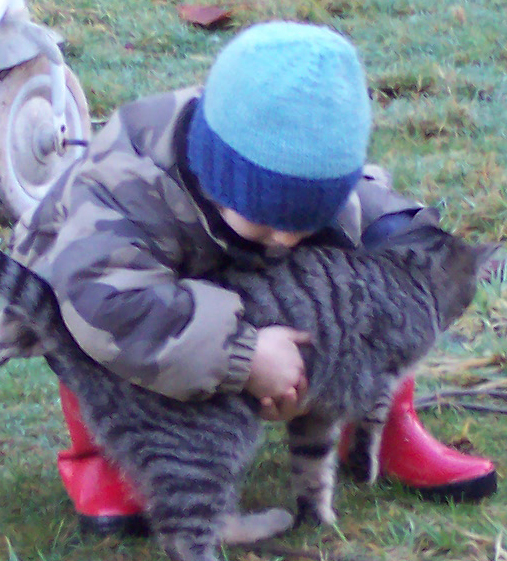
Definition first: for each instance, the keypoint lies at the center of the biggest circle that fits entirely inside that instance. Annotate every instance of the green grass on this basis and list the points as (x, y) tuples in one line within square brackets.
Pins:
[(437, 75), (436, 70)]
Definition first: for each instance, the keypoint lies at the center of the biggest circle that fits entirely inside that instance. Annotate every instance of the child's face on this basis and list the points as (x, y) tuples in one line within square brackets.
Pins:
[(260, 233)]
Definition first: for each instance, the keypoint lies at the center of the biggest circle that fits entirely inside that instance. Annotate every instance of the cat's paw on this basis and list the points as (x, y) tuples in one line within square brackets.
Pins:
[(279, 519), (247, 528), (186, 547), (312, 513)]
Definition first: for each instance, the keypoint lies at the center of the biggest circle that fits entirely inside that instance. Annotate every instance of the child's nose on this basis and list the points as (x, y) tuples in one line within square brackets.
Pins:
[(286, 239)]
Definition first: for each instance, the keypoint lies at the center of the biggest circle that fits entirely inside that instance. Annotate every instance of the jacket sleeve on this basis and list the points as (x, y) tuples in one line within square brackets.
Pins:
[(372, 200), (182, 338), (120, 293)]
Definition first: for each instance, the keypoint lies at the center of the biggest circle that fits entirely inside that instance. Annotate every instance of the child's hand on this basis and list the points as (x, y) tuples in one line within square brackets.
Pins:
[(286, 407), (277, 375)]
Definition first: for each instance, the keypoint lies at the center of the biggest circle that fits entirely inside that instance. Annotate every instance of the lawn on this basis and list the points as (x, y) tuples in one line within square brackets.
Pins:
[(438, 82)]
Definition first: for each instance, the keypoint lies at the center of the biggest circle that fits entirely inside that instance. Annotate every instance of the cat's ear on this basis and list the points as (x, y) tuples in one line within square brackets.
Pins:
[(484, 262), (427, 216)]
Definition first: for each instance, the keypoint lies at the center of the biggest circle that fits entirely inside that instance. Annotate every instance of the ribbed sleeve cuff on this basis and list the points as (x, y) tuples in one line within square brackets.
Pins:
[(240, 358)]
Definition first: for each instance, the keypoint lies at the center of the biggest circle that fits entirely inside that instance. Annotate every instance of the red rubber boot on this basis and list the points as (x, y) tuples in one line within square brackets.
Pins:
[(105, 502), (412, 456)]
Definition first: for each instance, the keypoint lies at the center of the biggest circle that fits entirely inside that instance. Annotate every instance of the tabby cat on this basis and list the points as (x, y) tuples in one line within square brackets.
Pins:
[(372, 315)]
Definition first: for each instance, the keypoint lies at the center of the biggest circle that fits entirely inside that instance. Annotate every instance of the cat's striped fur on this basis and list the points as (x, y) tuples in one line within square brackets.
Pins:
[(372, 315)]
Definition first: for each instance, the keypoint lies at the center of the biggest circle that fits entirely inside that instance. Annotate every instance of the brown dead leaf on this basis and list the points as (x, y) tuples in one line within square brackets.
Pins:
[(463, 445), (459, 14), (206, 16)]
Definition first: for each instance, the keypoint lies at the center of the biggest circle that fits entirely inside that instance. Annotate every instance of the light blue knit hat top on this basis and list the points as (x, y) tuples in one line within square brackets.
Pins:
[(282, 130)]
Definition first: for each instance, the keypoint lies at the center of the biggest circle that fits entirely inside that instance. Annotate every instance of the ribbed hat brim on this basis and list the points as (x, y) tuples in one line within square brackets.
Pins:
[(258, 194)]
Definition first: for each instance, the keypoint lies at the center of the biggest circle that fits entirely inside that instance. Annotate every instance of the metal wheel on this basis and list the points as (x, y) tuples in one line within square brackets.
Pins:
[(28, 164)]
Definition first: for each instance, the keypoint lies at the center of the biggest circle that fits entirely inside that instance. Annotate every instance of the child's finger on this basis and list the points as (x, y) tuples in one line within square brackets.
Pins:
[(301, 337), (269, 410), (290, 396), (267, 401), (302, 386)]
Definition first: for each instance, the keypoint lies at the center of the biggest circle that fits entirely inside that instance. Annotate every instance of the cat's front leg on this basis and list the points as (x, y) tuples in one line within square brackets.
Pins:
[(364, 455), (376, 419), (312, 444), (375, 431)]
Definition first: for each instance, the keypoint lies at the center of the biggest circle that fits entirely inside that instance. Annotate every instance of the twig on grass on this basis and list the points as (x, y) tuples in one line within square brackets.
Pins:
[(489, 389), (463, 405)]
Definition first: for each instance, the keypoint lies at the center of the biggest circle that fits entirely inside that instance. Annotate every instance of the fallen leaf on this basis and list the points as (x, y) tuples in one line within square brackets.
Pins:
[(459, 14), (203, 15), (463, 445)]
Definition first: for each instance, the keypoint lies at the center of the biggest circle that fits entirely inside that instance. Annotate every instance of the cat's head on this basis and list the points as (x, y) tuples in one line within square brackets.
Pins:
[(460, 265), (452, 265)]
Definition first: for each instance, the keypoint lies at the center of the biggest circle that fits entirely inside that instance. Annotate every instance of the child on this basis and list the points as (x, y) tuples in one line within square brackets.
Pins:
[(180, 184)]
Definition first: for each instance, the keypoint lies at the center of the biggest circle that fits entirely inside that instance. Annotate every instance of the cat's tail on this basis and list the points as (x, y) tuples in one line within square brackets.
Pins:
[(28, 312)]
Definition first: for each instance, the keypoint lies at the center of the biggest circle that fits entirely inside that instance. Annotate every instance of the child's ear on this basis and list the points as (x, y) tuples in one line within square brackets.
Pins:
[(428, 216)]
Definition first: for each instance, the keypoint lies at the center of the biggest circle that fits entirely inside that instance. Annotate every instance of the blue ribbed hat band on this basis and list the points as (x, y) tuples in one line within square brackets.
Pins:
[(258, 194)]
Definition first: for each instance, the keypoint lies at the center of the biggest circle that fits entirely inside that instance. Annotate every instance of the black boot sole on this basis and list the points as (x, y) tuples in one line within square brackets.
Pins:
[(473, 490), (134, 525), (461, 491)]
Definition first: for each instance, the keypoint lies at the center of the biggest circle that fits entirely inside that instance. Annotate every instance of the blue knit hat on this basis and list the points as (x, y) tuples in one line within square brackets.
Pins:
[(281, 132)]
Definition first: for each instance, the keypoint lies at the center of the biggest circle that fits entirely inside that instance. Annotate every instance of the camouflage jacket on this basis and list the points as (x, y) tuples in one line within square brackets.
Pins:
[(125, 238)]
